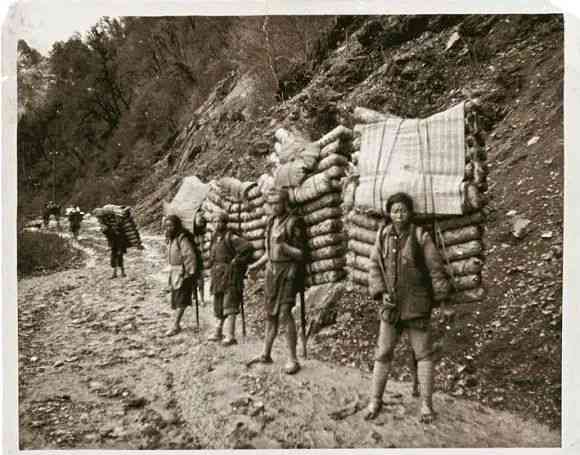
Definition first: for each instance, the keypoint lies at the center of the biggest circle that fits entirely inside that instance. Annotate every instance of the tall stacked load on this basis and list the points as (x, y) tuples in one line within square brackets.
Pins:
[(313, 173), (213, 203), (187, 202), (121, 219), (451, 208), (246, 213), (244, 204)]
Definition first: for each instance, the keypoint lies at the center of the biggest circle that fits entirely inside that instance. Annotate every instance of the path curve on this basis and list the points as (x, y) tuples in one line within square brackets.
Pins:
[(96, 372)]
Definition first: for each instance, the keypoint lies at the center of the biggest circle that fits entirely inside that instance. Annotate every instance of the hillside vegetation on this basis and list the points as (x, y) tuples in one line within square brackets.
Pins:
[(138, 103)]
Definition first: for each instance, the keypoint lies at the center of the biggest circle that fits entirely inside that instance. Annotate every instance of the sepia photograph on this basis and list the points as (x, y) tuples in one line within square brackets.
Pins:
[(289, 231)]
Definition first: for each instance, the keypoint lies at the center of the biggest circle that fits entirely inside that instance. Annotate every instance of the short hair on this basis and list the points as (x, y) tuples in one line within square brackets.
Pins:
[(278, 195), (403, 198), (175, 220)]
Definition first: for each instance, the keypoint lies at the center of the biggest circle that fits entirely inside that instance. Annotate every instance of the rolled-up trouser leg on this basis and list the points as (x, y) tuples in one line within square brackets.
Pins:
[(388, 336)]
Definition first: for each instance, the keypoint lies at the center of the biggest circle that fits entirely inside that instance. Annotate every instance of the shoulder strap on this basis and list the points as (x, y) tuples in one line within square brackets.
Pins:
[(228, 242)]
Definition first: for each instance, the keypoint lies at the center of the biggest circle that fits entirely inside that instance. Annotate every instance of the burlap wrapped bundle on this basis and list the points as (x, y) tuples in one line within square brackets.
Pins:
[(359, 277), (327, 252), (328, 200), (313, 187), (469, 266), (121, 218), (348, 192), (476, 169), (290, 174), (340, 134), (254, 192), (333, 276), (363, 220), (358, 262), (317, 198), (253, 215), (362, 234), (327, 265), (461, 235), (360, 248), (450, 223), (210, 208), (473, 198), (256, 234), (251, 225), (466, 282), (335, 172), (321, 215), (332, 160), (239, 190), (322, 241), (215, 195), (473, 248), (326, 227), (459, 238)]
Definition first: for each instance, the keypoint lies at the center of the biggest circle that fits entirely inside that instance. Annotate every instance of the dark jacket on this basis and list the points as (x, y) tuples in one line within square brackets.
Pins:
[(230, 255), (409, 269), (116, 239)]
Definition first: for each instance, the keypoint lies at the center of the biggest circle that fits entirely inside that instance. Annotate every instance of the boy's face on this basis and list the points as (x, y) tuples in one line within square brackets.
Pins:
[(170, 228), (400, 214)]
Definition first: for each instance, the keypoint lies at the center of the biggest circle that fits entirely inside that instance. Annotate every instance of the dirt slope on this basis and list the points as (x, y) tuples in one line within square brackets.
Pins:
[(95, 372)]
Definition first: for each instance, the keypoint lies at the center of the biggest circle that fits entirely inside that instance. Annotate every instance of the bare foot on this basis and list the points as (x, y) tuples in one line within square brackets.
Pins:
[(373, 410), (229, 342), (292, 367), (215, 337), (264, 359), (172, 332), (427, 414)]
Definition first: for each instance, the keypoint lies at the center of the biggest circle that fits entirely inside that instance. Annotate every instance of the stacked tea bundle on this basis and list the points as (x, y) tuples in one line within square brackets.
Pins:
[(458, 237), (362, 230), (316, 195), (213, 204), (244, 205), (248, 217), (121, 219)]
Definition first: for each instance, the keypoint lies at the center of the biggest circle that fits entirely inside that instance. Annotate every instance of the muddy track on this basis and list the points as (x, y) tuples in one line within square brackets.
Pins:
[(96, 372)]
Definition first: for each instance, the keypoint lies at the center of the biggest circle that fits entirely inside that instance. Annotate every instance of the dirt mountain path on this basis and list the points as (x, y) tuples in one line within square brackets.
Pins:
[(96, 372)]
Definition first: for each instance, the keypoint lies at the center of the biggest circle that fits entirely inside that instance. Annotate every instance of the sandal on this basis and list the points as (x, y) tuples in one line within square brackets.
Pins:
[(215, 337), (292, 368), (427, 415), (172, 332), (373, 409), (229, 342)]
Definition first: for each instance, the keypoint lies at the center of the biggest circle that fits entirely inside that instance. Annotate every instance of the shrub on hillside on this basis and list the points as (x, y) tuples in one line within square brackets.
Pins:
[(39, 252)]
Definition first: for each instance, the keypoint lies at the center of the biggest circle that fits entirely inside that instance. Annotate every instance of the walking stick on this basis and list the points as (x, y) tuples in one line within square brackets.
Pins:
[(303, 324), (242, 307), (196, 305), (243, 316)]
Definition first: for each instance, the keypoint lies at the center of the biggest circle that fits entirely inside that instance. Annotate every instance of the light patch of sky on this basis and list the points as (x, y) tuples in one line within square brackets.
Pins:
[(42, 23)]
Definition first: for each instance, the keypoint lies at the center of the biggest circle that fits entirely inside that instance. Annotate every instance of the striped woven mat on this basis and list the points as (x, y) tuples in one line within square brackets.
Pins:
[(422, 157)]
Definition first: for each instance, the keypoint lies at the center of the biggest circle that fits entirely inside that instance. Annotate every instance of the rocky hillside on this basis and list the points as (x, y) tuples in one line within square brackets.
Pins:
[(506, 351)]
